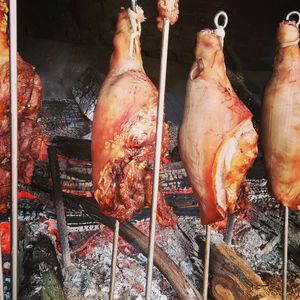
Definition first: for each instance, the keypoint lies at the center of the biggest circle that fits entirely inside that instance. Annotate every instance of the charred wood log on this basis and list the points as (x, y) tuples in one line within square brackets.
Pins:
[(63, 117), (42, 277), (250, 99), (233, 278), (231, 275), (181, 284)]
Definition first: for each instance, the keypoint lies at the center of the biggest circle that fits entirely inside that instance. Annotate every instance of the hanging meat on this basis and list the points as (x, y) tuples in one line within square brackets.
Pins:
[(168, 9), (29, 101), (123, 136), (281, 119), (217, 140)]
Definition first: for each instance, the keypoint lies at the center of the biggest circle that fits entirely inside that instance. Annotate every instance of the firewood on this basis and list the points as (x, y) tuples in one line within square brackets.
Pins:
[(178, 280), (233, 279)]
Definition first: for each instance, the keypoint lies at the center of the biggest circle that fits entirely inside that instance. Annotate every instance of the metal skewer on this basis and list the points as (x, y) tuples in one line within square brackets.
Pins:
[(206, 262), (220, 32), (114, 260), (159, 128), (14, 144), (229, 230), (286, 213), (1, 271), (285, 252), (116, 230)]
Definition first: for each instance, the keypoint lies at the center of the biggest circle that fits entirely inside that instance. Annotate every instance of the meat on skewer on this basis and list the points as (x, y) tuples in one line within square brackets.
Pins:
[(123, 137), (281, 119), (29, 102), (168, 9), (217, 140)]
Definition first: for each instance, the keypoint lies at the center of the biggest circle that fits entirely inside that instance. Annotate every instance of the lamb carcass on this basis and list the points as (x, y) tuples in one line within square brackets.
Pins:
[(281, 119), (217, 140), (123, 136), (29, 101)]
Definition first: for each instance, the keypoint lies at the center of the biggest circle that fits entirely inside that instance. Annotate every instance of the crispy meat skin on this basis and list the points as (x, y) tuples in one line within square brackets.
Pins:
[(29, 135), (123, 139), (281, 120), (217, 141), (167, 9)]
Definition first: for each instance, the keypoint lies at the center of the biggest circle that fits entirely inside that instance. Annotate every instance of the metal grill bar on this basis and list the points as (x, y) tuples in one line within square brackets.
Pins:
[(159, 128), (14, 143)]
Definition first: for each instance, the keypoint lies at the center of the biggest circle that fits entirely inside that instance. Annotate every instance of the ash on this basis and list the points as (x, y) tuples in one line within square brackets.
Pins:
[(255, 240)]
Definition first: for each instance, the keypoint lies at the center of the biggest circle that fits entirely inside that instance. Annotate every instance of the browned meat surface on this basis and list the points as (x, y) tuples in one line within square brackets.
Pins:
[(29, 101), (123, 139), (167, 9), (217, 140), (281, 119)]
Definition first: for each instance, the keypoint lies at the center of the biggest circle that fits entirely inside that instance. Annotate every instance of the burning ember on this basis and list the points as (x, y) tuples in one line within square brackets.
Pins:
[(256, 239)]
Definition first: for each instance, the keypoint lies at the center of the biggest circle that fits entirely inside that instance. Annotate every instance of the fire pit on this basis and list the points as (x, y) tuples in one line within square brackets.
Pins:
[(76, 262)]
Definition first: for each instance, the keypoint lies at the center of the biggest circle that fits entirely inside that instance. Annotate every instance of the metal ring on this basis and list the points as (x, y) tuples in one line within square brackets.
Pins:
[(294, 13), (217, 17)]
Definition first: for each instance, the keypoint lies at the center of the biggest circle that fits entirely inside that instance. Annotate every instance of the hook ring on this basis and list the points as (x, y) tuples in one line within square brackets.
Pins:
[(217, 18), (294, 13)]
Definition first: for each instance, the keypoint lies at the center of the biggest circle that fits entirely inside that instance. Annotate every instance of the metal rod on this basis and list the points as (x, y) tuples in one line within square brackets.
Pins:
[(1, 271), (229, 230), (14, 143), (59, 204), (133, 5), (206, 262), (114, 260), (159, 129), (285, 252)]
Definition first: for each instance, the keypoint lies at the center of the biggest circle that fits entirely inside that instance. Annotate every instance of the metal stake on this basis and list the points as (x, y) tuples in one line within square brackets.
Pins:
[(285, 252), (159, 129), (206, 262), (229, 231), (1, 272), (14, 143), (114, 260), (116, 231), (59, 204)]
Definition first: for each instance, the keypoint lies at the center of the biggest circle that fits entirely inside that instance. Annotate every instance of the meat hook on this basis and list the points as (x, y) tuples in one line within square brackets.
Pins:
[(220, 31), (297, 13)]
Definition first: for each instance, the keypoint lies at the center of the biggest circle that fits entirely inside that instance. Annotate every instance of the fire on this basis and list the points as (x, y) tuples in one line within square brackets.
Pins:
[(52, 228), (26, 195), (5, 237)]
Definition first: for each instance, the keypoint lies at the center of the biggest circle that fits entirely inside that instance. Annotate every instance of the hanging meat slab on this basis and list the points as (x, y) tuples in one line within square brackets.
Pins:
[(281, 119), (124, 126), (217, 140), (29, 101)]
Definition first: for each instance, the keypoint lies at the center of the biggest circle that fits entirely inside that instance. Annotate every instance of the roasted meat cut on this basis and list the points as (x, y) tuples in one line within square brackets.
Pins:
[(281, 119), (29, 101), (168, 9), (217, 140), (123, 137)]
